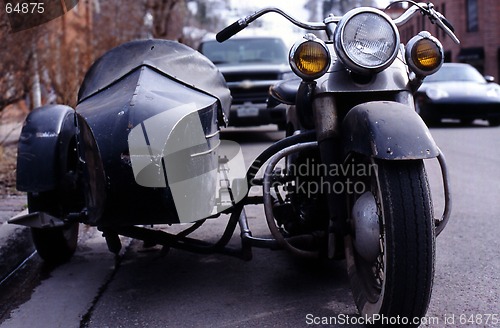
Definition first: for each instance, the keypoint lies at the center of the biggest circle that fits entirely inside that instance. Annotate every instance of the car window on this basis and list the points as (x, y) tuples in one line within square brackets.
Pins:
[(246, 51), (456, 73)]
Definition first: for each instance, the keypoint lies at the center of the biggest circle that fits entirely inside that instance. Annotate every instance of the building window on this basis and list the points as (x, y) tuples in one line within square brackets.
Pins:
[(498, 65), (472, 16)]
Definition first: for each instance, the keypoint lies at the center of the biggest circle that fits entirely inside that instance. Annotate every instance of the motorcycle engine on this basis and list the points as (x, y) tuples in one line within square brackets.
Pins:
[(303, 209)]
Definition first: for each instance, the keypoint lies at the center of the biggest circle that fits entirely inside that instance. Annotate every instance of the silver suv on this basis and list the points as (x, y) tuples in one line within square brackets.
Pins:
[(250, 65)]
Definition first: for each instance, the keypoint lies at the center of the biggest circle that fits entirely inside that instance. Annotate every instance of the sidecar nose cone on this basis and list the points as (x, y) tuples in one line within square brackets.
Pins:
[(366, 227)]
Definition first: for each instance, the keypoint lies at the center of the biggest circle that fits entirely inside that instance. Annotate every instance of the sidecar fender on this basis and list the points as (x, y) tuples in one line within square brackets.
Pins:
[(387, 130), (43, 143)]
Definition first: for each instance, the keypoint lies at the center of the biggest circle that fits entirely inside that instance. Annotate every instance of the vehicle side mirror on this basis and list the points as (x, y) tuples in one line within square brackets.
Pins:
[(489, 78)]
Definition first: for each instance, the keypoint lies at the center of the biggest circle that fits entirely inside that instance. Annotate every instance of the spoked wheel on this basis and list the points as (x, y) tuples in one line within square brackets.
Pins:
[(391, 244), (54, 245)]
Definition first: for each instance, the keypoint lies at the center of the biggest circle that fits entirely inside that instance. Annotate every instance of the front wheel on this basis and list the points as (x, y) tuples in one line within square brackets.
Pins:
[(390, 248)]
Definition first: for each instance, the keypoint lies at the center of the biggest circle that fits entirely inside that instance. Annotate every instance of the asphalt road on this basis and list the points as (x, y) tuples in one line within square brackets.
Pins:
[(147, 288)]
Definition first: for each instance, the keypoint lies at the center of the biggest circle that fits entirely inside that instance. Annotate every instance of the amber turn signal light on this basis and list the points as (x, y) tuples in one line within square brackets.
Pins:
[(309, 58), (424, 54)]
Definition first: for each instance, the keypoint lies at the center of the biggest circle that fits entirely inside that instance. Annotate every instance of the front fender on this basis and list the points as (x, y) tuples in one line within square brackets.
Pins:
[(387, 130), (44, 140)]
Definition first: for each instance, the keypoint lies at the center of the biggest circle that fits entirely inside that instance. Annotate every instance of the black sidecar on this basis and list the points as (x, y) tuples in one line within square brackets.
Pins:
[(147, 119)]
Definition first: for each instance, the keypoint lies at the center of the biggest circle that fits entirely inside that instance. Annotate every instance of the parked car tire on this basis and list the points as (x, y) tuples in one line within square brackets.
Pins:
[(494, 121)]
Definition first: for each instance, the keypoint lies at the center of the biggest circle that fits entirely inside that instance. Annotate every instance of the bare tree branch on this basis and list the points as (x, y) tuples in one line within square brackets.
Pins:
[(67, 46), (168, 18)]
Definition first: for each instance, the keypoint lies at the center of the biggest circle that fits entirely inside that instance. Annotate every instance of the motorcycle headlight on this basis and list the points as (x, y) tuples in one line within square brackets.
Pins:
[(366, 40), (309, 58), (424, 54)]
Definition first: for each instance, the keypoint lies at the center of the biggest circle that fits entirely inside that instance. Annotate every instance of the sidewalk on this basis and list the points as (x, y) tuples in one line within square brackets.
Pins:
[(15, 241)]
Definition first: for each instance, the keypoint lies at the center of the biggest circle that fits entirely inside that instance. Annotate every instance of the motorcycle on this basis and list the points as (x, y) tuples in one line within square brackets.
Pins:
[(143, 148)]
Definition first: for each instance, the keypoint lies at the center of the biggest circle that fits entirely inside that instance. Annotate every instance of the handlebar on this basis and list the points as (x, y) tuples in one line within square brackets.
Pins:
[(425, 8), (428, 10), (448, 24), (240, 24), (230, 30)]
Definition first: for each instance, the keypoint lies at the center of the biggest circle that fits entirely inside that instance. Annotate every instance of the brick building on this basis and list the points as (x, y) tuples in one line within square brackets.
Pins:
[(476, 26)]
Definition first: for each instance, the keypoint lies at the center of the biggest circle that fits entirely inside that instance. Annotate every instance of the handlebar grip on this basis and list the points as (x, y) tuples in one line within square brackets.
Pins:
[(448, 24), (230, 30)]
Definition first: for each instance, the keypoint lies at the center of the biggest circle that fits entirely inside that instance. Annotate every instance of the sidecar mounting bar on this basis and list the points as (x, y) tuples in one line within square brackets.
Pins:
[(43, 220), (181, 241), (248, 240), (160, 237), (39, 220)]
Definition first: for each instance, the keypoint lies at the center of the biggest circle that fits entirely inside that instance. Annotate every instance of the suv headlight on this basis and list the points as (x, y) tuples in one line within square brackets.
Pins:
[(366, 40)]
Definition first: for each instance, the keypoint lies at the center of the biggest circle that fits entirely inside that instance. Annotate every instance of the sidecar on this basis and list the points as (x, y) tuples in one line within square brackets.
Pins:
[(141, 147)]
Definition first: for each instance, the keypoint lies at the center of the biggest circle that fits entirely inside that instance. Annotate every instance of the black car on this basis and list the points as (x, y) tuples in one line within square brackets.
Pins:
[(459, 91), (250, 65)]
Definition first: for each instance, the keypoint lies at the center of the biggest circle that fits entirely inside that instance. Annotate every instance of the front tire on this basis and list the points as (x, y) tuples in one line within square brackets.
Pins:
[(397, 280)]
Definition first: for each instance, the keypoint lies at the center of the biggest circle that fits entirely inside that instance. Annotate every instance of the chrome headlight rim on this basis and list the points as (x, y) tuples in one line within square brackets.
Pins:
[(351, 63), (293, 52)]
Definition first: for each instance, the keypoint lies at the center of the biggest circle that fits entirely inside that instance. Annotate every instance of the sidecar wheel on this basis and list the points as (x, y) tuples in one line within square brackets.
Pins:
[(55, 245), (391, 273)]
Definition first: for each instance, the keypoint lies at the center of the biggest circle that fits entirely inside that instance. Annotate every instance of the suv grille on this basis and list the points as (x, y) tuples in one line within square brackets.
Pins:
[(253, 95), (236, 77)]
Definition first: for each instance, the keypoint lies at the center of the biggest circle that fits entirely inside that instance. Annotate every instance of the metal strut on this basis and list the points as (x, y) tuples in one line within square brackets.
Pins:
[(268, 200), (440, 224)]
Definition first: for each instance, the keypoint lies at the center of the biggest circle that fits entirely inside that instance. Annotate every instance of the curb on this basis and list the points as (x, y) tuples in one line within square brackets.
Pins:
[(15, 246)]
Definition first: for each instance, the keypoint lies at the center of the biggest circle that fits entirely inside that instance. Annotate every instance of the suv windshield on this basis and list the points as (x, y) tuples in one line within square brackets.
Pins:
[(246, 51)]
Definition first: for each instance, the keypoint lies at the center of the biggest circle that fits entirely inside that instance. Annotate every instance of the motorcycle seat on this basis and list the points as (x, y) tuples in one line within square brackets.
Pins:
[(285, 91)]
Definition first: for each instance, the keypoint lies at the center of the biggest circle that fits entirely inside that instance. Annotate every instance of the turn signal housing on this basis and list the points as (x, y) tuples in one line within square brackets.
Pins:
[(309, 58), (424, 54)]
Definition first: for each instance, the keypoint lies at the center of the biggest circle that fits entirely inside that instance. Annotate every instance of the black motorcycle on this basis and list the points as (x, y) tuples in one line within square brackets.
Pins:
[(143, 147)]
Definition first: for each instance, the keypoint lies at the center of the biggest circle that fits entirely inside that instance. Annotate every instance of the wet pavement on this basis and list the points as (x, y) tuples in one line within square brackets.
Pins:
[(15, 241), (10, 206)]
